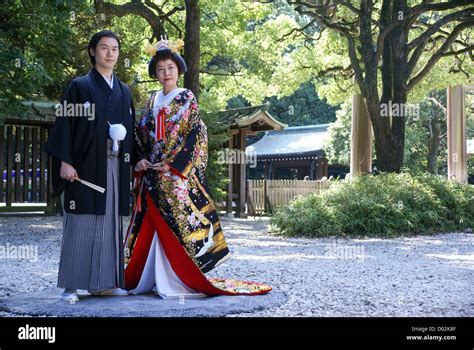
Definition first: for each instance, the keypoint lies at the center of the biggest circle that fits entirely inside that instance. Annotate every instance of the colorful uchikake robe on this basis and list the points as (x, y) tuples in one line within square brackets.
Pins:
[(176, 204)]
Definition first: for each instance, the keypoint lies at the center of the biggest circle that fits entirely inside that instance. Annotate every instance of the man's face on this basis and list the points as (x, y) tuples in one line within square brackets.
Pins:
[(106, 53)]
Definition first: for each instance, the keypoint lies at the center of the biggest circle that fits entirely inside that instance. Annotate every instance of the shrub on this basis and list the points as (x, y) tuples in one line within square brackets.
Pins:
[(382, 205)]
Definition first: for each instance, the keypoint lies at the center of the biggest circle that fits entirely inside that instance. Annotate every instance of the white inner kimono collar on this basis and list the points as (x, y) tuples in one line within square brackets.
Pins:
[(162, 100)]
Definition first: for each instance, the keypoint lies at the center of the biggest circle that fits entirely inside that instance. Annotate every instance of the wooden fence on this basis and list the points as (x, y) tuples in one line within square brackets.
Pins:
[(264, 196), (25, 185)]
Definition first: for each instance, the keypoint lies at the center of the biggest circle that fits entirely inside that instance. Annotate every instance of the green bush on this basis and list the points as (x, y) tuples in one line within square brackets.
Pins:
[(382, 205)]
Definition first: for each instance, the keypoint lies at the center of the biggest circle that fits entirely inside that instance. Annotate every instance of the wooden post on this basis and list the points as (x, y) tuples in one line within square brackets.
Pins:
[(242, 181), (51, 202), (42, 155), (230, 186), (17, 166), (457, 159), (26, 164), (250, 198), (10, 148), (34, 164), (361, 143), (267, 205), (2, 165), (325, 167), (312, 171), (321, 168)]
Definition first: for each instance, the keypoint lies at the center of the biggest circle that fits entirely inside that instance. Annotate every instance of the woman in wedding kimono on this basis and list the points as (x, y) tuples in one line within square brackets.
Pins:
[(175, 235)]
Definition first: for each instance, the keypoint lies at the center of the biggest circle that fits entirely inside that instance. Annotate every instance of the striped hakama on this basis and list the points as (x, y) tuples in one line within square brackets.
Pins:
[(91, 251)]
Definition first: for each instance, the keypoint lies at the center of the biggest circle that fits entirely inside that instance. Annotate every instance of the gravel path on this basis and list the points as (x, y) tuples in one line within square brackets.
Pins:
[(412, 276)]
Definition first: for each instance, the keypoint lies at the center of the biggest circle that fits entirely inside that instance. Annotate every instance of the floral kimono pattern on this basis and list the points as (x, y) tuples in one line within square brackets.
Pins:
[(176, 204)]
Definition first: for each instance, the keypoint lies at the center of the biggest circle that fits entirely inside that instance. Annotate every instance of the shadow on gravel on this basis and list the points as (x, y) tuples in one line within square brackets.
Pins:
[(48, 303)]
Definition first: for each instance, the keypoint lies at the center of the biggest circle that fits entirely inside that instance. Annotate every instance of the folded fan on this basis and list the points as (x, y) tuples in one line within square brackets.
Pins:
[(91, 185)]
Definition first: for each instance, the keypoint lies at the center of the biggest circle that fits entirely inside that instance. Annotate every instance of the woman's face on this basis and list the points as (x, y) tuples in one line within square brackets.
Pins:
[(167, 74)]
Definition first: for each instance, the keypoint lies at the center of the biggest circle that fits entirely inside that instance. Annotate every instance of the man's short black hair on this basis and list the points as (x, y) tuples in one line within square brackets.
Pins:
[(95, 40)]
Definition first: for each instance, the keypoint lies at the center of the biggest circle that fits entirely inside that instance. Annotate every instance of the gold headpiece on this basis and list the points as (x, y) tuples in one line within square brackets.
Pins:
[(164, 43)]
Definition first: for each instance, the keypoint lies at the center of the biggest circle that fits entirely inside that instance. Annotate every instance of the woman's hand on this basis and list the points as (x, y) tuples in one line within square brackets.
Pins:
[(67, 172), (142, 165), (161, 167)]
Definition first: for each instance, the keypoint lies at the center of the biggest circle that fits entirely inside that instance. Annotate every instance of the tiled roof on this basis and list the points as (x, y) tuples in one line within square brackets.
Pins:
[(257, 117), (291, 141)]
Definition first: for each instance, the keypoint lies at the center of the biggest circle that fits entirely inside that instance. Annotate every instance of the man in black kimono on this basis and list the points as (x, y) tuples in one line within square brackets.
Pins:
[(82, 149)]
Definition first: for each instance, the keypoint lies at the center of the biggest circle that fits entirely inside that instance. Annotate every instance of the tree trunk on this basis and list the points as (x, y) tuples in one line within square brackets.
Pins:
[(389, 131), (433, 142), (192, 46), (388, 147), (438, 112)]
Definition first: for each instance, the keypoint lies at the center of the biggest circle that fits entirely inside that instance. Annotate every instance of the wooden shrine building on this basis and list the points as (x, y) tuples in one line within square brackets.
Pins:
[(240, 123), (298, 147)]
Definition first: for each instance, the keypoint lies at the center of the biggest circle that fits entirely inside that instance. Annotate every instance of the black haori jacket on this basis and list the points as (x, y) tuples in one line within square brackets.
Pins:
[(81, 140)]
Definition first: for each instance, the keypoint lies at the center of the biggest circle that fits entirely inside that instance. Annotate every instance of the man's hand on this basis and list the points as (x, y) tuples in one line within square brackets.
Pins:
[(142, 165), (67, 172)]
